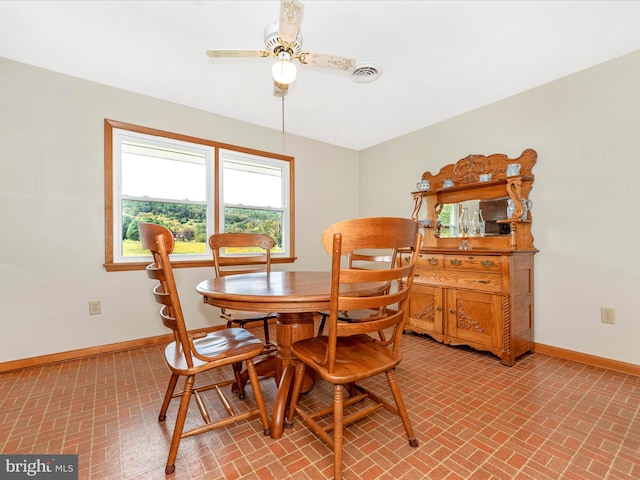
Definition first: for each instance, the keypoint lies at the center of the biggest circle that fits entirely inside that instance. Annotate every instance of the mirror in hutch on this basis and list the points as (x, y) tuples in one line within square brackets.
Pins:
[(475, 286)]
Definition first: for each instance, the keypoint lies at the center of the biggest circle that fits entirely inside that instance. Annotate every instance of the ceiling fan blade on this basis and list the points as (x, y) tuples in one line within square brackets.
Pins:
[(280, 89), (237, 53), (340, 63), (290, 20)]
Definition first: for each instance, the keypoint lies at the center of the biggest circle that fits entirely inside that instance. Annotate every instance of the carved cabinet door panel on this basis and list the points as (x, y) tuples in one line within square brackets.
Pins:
[(426, 306), (474, 317)]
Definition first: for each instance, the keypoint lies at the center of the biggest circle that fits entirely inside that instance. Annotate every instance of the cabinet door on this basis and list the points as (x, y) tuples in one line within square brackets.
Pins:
[(474, 317), (425, 309)]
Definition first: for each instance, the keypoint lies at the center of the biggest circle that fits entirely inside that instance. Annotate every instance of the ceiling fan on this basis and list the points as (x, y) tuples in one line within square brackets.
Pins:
[(283, 40)]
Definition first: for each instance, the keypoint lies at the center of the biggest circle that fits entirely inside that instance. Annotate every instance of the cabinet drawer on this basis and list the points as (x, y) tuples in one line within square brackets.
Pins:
[(429, 260), (482, 263), (485, 282), (425, 260)]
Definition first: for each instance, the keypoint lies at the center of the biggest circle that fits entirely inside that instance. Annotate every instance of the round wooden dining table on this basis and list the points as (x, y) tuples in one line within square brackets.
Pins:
[(295, 297)]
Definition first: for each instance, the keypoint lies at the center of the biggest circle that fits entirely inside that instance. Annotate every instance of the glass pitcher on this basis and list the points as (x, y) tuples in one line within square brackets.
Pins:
[(477, 224)]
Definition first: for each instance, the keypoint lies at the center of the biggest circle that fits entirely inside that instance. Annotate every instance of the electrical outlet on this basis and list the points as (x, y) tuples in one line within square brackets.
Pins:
[(608, 315), (95, 307)]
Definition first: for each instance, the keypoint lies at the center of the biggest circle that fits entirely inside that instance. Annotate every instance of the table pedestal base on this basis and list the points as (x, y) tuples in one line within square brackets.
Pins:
[(291, 327)]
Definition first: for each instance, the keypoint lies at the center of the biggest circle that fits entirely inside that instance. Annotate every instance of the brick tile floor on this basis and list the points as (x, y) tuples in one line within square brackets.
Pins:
[(543, 418)]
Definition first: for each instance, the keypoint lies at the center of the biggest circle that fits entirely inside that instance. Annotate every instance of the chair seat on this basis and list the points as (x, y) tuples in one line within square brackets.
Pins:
[(242, 343), (357, 357)]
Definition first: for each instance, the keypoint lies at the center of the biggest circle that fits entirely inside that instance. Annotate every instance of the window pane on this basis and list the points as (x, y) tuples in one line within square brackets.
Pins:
[(247, 220), (158, 172), (247, 183), (187, 222)]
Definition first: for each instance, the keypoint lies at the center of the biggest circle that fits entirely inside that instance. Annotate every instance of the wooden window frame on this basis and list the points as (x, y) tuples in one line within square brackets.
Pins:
[(111, 265)]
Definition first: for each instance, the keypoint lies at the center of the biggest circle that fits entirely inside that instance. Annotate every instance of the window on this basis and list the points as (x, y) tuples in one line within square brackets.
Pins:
[(254, 196), (194, 187)]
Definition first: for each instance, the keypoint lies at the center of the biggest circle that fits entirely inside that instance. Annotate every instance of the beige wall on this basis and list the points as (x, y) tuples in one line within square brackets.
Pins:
[(585, 128), (52, 209)]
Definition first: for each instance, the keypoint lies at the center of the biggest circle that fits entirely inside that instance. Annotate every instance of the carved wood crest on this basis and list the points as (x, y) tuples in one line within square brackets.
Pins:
[(468, 169)]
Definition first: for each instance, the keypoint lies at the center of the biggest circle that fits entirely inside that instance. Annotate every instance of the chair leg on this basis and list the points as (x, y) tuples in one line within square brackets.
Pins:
[(179, 426), (167, 397), (266, 331), (295, 394), (338, 406), (238, 387), (352, 389), (257, 392), (323, 319), (402, 409)]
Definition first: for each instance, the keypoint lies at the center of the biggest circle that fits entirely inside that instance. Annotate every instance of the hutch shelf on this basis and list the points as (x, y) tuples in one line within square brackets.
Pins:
[(476, 290)]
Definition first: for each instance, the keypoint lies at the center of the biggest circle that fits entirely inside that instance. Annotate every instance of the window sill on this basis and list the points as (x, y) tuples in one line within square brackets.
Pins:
[(126, 267)]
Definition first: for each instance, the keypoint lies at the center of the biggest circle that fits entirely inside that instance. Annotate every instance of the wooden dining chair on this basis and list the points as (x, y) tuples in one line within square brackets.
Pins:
[(352, 352), (361, 260), (235, 253), (192, 354)]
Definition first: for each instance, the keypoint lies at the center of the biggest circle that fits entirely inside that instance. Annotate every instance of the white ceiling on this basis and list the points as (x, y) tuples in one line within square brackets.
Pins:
[(439, 58)]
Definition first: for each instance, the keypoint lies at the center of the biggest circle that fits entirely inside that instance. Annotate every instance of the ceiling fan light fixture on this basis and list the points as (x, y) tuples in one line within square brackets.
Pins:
[(283, 70)]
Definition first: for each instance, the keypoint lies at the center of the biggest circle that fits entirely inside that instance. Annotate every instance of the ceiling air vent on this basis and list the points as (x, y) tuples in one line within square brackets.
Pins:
[(366, 73)]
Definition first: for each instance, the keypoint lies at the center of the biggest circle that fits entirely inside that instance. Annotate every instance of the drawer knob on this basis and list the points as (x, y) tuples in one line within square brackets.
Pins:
[(482, 281), (433, 261), (455, 262), (451, 310), (438, 308), (487, 263)]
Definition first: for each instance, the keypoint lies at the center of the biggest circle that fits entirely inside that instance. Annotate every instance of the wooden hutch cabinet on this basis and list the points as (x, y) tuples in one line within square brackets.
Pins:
[(476, 290)]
